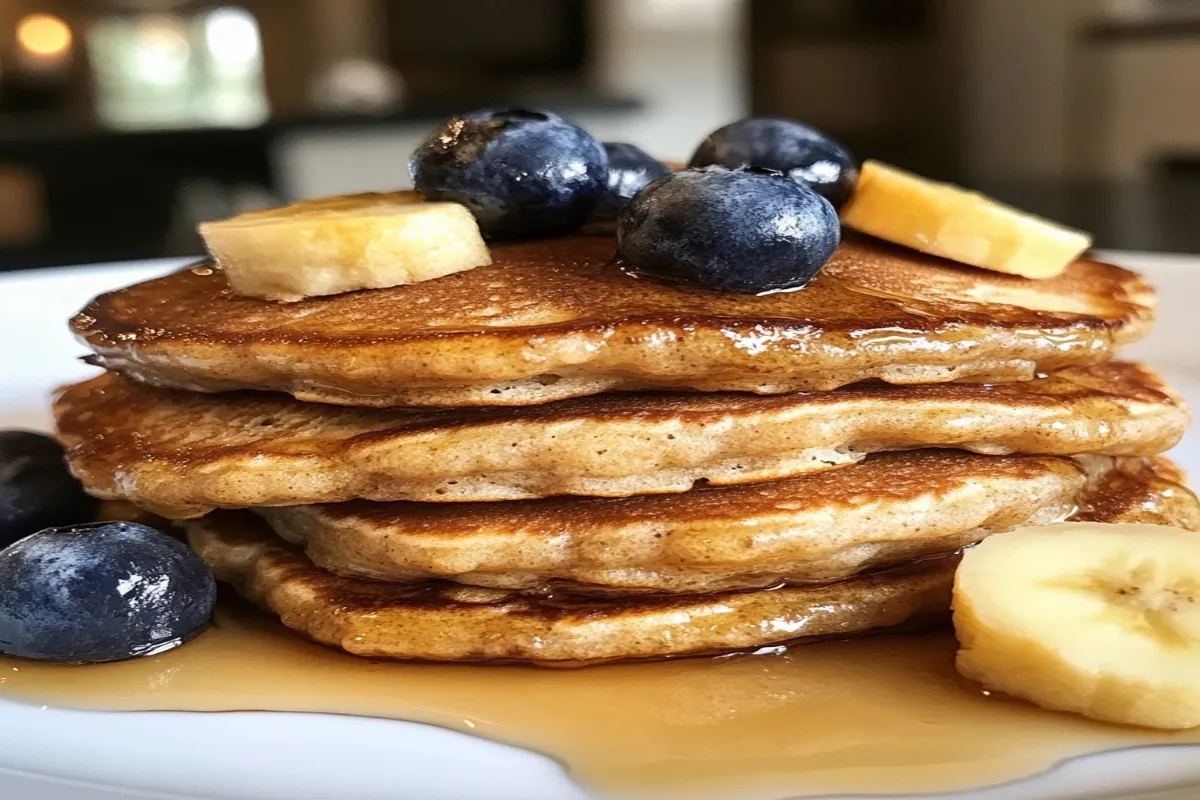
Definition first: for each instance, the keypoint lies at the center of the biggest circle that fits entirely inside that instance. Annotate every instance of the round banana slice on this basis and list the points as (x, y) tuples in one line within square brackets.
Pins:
[(1102, 620), (342, 244)]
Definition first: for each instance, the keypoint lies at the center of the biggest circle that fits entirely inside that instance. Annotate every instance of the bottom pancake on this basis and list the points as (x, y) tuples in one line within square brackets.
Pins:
[(446, 621)]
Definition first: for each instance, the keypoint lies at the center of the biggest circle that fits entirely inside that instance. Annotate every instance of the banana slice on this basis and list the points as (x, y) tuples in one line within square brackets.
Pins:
[(1102, 620), (948, 221), (342, 244)]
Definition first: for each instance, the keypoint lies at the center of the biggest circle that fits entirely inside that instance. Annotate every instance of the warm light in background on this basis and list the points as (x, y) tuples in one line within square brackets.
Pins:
[(232, 38), (192, 68), (44, 35), (161, 50)]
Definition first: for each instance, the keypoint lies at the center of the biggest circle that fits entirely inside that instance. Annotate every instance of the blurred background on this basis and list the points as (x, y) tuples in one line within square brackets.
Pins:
[(123, 123)]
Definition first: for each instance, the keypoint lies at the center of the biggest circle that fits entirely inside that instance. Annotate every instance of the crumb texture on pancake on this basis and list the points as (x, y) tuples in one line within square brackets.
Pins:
[(444, 621), (891, 508), (555, 319), (182, 454)]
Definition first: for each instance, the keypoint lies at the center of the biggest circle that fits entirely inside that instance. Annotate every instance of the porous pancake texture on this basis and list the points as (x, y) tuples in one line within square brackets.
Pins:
[(182, 454), (558, 318)]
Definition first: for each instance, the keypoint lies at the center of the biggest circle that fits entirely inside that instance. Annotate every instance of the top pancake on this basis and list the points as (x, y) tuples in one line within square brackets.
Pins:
[(557, 318)]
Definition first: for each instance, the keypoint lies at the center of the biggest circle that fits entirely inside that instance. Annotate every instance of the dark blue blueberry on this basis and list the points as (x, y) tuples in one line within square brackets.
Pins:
[(36, 488), (729, 230), (522, 173), (102, 591), (802, 152), (629, 170)]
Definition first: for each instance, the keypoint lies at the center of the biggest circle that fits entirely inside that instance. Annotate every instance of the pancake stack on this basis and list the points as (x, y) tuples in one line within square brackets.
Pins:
[(548, 460)]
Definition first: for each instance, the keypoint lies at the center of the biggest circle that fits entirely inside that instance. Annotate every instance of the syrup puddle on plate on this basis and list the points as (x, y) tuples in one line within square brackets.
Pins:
[(884, 714)]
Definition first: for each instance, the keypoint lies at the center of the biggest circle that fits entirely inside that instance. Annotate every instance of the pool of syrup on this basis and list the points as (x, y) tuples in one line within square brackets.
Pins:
[(883, 714)]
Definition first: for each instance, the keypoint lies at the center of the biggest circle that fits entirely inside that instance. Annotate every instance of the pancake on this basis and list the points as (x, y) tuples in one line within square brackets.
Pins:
[(445, 621), (441, 620), (557, 318), (818, 528), (182, 454)]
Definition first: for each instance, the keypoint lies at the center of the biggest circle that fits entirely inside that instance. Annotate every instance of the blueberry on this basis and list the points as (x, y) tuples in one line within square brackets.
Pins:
[(522, 173), (802, 152), (629, 170), (101, 591), (36, 488), (728, 230)]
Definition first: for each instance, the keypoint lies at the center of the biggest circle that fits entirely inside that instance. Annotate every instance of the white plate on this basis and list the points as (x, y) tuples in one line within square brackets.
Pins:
[(52, 754)]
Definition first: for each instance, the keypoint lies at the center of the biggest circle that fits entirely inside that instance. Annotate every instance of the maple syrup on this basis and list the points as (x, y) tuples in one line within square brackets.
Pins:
[(884, 714)]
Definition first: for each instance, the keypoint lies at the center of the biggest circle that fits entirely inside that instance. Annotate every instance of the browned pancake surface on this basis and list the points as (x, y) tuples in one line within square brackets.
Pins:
[(555, 319), (446, 621), (183, 453), (890, 508), (440, 620)]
